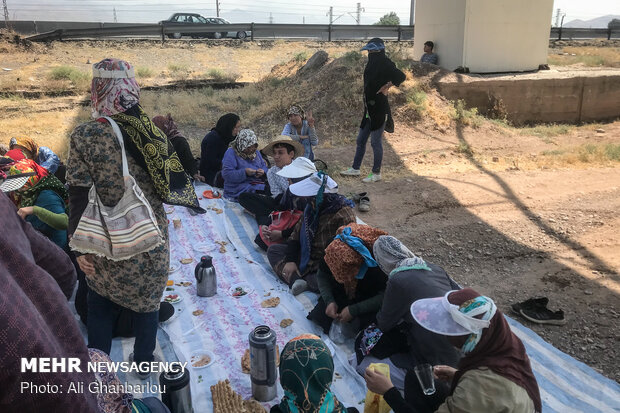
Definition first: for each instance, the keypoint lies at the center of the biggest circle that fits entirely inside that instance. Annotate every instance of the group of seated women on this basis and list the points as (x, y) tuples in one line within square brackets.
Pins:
[(405, 311)]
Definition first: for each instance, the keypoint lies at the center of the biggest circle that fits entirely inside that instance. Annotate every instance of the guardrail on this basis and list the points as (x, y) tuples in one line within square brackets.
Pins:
[(73, 30), (49, 30)]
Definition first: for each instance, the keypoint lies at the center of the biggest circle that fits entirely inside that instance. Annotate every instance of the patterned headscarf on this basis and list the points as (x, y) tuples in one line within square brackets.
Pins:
[(116, 400), (392, 256), (115, 93), (28, 194), (114, 88), (244, 140), (167, 125), (296, 110), (344, 261), (27, 143), (306, 374)]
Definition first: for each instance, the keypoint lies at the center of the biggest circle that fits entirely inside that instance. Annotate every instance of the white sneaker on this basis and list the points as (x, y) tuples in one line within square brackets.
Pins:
[(372, 178), (299, 286), (350, 172)]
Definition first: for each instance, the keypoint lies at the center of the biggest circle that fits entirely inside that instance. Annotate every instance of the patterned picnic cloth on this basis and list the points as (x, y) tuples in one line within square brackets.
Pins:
[(566, 385)]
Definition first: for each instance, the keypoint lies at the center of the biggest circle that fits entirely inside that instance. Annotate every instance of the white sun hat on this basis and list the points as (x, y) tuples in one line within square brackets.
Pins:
[(440, 316), (299, 168), (311, 185), (14, 182)]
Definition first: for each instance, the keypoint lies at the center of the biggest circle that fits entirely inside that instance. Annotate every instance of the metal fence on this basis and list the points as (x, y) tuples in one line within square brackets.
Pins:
[(43, 31), (52, 30)]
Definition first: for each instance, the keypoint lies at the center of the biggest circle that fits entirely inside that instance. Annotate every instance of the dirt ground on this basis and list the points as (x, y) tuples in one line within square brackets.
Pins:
[(498, 208), (508, 232)]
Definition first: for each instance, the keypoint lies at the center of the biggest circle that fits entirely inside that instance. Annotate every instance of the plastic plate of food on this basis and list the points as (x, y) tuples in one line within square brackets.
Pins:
[(201, 359), (172, 298), (239, 290), (206, 247)]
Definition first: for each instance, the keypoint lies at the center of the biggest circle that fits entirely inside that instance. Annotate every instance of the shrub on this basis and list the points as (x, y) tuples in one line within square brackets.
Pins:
[(145, 72), (466, 116), (220, 76), (70, 73), (300, 57)]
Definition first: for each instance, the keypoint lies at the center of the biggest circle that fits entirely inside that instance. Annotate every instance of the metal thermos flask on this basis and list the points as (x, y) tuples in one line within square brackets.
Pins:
[(263, 371), (206, 277), (176, 394)]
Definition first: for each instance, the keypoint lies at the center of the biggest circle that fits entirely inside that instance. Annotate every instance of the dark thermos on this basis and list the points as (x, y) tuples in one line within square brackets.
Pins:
[(176, 394), (263, 373), (206, 277)]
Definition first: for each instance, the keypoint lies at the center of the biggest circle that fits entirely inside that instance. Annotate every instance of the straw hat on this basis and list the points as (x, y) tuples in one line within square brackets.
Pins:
[(299, 148)]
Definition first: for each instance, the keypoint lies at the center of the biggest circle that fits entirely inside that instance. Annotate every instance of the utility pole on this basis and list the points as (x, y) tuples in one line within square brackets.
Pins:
[(6, 14), (557, 18), (270, 18), (411, 11), (359, 12), (303, 20), (331, 13), (115, 19), (217, 8)]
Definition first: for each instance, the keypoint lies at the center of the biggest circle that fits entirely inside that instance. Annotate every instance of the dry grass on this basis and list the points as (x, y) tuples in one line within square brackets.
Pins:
[(546, 132), (588, 56), (51, 129), (602, 153)]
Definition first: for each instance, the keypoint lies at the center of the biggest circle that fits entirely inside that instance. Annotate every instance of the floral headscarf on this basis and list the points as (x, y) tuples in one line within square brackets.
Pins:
[(28, 194), (296, 110), (115, 93), (306, 374), (244, 140), (344, 261), (114, 88), (167, 126), (28, 166)]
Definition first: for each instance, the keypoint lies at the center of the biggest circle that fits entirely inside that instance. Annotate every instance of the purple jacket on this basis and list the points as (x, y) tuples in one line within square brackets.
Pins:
[(235, 180), (37, 278)]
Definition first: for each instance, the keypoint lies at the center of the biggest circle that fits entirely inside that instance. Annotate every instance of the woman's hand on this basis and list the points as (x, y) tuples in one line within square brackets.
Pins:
[(259, 173), (86, 264), (25, 211), (445, 373), (310, 119), (275, 235), (250, 171), (384, 89), (289, 269), (345, 315), (332, 310), (377, 382), (199, 177)]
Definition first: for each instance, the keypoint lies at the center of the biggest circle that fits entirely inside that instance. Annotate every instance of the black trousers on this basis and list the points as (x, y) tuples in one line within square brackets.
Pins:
[(260, 205)]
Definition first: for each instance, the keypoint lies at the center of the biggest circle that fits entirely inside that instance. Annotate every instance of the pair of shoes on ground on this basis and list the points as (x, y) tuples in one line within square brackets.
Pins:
[(356, 172), (536, 311), (362, 200)]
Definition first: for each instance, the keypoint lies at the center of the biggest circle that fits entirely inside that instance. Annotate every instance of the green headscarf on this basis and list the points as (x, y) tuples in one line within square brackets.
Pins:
[(29, 196), (306, 373)]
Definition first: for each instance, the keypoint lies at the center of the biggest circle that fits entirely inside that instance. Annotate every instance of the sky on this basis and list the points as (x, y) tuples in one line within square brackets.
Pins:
[(242, 11)]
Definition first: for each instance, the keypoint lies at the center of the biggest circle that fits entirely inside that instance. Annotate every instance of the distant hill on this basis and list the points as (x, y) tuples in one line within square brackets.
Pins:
[(599, 22)]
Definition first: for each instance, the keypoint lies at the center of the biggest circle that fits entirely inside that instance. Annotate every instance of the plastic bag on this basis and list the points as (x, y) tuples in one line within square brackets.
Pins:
[(375, 403), (336, 333)]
